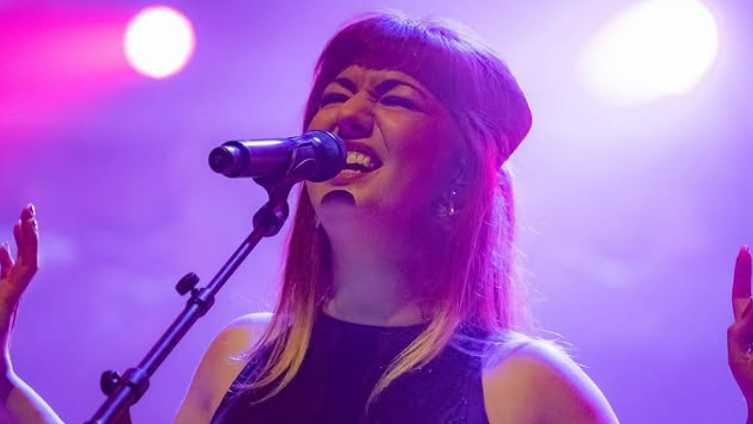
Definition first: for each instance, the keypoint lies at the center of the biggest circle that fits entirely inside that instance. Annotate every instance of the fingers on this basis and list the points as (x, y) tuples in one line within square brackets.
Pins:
[(30, 232), (28, 212), (740, 335), (18, 234), (6, 260), (26, 233), (17, 274), (741, 284)]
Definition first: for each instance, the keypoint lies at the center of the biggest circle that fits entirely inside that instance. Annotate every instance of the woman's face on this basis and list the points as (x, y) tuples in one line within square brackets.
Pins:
[(403, 148)]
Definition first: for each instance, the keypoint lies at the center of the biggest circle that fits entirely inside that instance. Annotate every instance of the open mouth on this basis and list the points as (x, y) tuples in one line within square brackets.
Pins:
[(362, 159)]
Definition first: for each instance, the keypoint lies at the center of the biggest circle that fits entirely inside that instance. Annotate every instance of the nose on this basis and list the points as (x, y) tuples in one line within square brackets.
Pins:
[(355, 118)]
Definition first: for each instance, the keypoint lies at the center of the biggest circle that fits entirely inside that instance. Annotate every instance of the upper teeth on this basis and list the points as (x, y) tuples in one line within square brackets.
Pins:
[(361, 159)]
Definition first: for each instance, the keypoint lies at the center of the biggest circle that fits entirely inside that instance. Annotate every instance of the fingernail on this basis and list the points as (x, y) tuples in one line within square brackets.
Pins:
[(32, 209)]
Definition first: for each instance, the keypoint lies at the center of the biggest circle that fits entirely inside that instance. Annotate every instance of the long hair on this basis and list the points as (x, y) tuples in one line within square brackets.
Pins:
[(476, 283)]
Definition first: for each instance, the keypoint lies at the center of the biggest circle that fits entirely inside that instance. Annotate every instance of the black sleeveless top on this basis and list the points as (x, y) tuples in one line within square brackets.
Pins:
[(343, 363)]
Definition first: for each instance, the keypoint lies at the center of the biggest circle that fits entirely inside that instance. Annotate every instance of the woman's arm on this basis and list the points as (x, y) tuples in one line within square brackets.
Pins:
[(19, 403), (22, 405), (213, 377)]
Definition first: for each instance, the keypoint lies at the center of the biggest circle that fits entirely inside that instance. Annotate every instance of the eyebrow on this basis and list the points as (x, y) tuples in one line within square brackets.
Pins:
[(381, 88), (388, 84), (346, 84)]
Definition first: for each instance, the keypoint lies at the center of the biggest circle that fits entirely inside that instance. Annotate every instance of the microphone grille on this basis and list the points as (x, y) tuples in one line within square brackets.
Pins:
[(330, 154)]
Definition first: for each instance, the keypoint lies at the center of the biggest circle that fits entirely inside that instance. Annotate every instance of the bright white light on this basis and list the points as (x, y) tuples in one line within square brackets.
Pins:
[(159, 41), (653, 49)]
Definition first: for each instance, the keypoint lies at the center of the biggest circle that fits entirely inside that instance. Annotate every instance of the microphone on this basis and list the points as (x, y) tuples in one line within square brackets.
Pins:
[(315, 156)]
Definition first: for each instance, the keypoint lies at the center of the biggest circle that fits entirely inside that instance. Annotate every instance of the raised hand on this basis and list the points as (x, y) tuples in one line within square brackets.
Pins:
[(16, 274), (740, 333)]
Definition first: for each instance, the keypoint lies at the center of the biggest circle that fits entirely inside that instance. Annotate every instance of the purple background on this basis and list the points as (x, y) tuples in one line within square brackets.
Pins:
[(631, 217)]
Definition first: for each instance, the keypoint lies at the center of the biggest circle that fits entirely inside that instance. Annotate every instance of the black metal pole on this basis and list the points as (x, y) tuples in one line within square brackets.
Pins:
[(123, 391)]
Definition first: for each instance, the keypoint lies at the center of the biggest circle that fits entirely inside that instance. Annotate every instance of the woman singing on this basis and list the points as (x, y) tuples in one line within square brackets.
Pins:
[(399, 302)]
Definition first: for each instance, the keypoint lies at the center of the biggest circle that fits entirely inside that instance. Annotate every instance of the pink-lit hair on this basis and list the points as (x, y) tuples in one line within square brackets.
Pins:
[(476, 283)]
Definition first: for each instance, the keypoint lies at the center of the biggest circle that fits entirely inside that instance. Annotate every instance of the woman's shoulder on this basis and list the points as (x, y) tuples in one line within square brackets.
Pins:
[(223, 360), (237, 338), (534, 380), (252, 324)]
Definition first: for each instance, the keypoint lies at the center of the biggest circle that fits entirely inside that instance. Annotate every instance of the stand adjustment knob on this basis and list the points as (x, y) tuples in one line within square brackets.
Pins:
[(187, 283), (108, 381)]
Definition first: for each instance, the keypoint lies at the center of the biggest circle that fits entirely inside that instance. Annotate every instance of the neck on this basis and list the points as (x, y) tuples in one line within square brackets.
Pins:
[(374, 279)]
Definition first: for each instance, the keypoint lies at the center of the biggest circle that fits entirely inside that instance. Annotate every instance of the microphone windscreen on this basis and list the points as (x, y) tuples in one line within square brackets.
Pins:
[(330, 155)]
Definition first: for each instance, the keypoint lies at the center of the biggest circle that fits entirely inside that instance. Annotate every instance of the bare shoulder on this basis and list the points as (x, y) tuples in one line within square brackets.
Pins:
[(220, 365), (240, 334), (534, 381)]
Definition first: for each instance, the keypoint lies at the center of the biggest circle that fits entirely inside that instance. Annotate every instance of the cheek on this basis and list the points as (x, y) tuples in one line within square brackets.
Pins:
[(425, 156), (323, 120)]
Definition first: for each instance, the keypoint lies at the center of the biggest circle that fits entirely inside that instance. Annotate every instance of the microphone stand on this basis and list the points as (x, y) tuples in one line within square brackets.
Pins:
[(124, 391)]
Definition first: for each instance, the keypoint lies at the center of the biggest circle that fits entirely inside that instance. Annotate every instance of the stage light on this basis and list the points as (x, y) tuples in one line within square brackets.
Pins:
[(653, 49), (159, 41)]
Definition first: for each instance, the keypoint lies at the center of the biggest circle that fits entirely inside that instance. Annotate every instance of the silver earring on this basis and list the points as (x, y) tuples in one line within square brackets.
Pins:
[(449, 204)]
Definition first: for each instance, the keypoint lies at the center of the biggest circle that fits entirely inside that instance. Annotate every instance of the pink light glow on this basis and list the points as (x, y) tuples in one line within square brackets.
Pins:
[(54, 64), (159, 42)]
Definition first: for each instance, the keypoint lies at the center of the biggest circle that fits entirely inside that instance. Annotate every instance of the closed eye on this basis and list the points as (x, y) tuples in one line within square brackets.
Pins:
[(398, 101), (331, 98)]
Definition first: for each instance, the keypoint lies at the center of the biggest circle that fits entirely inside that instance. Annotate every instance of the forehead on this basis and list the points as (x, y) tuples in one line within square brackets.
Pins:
[(363, 76)]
